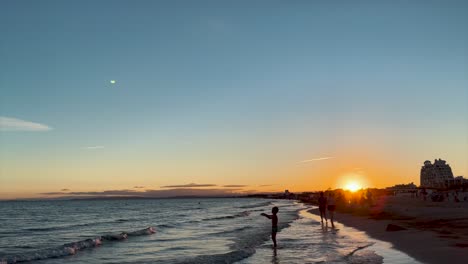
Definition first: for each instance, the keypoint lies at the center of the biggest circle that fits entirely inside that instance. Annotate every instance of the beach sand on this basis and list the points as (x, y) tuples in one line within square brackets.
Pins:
[(435, 232)]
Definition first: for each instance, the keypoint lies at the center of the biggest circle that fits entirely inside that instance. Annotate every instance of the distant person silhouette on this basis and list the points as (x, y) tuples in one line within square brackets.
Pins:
[(331, 207), (322, 201), (369, 197), (274, 223), (424, 193)]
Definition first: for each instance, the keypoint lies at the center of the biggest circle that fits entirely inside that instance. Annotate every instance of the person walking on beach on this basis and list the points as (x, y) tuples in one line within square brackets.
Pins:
[(322, 201), (274, 223), (331, 207)]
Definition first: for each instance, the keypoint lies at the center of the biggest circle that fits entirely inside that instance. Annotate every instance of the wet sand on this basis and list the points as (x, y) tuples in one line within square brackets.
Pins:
[(435, 232), (306, 240)]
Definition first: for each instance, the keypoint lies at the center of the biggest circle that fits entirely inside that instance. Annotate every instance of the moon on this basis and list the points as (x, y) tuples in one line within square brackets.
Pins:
[(112, 81)]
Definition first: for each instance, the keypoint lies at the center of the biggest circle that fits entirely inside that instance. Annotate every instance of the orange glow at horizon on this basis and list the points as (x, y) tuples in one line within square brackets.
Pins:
[(350, 169)]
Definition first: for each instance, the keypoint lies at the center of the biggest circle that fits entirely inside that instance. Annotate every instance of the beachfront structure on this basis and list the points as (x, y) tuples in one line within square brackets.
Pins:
[(457, 181), (437, 175), (410, 187)]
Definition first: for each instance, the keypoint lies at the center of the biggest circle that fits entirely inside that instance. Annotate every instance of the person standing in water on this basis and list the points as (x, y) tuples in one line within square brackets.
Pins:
[(274, 223), (322, 201), (331, 207)]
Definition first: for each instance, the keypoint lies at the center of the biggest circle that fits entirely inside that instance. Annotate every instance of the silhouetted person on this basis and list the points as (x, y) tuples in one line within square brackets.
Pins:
[(274, 223), (369, 197), (331, 207), (424, 193), (363, 200), (322, 201)]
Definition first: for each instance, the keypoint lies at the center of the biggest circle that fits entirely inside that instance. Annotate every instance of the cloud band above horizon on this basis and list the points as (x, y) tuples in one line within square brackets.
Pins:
[(190, 185)]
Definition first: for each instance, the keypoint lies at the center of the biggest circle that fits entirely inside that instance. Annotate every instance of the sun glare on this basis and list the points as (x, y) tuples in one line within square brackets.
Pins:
[(353, 186)]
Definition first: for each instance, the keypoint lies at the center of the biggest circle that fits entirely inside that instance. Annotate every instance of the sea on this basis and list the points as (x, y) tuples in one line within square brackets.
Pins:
[(209, 230)]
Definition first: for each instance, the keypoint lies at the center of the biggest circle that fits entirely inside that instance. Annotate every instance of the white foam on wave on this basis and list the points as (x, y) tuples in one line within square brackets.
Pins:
[(72, 248)]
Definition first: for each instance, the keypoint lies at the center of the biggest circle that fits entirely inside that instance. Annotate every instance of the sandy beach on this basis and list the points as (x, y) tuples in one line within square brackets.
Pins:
[(436, 232)]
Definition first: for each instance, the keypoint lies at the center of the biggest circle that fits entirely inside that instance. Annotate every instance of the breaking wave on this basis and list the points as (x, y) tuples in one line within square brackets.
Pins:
[(72, 248)]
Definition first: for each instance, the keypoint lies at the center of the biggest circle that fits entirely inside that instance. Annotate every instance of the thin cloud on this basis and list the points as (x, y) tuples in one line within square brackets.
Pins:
[(190, 185), (15, 124), (94, 147), (235, 186), (65, 190), (265, 185), (316, 159), (138, 187)]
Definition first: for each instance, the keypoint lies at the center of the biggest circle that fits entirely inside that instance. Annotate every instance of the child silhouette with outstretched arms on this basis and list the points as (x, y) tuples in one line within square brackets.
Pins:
[(274, 223)]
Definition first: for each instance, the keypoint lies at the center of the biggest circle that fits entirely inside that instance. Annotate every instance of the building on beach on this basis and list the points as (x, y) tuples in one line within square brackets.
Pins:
[(439, 175), (457, 181), (435, 175)]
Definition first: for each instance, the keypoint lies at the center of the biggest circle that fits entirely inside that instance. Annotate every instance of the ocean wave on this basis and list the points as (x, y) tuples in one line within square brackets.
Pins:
[(240, 214), (72, 248), (209, 219), (244, 246), (227, 258), (262, 204), (54, 228), (168, 225), (235, 230), (245, 243), (65, 227), (257, 210)]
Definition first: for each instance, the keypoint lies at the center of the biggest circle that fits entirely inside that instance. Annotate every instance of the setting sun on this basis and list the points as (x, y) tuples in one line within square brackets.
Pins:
[(353, 186)]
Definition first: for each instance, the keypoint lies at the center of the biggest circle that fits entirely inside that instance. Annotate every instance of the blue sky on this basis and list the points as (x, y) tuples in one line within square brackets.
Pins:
[(273, 82)]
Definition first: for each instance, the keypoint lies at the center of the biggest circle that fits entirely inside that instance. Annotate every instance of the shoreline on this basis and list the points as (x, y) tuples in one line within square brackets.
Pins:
[(439, 243)]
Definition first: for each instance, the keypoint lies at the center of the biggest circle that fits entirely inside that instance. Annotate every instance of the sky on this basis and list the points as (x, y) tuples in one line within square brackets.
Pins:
[(228, 96)]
